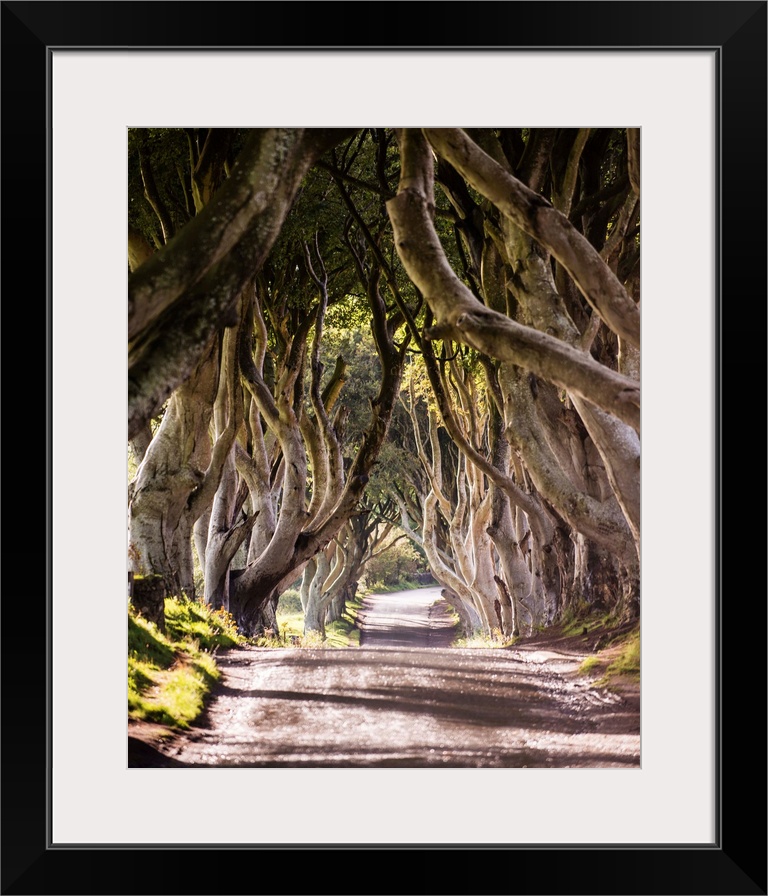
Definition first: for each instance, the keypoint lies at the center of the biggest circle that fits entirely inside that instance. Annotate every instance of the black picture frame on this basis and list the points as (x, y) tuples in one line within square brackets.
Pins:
[(736, 862)]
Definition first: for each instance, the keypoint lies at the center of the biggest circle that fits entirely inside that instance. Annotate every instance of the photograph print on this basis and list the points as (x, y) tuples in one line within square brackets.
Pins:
[(383, 447)]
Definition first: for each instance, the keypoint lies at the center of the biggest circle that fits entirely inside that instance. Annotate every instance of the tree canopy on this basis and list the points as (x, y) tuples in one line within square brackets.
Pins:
[(337, 336)]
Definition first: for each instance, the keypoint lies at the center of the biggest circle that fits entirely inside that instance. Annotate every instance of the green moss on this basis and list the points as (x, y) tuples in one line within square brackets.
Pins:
[(628, 661), (184, 692), (589, 664), (140, 676), (188, 619), (580, 616), (341, 633), (146, 641), (170, 675)]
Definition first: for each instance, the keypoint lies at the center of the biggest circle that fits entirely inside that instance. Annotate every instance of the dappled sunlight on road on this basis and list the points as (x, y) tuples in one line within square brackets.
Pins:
[(418, 618), (404, 699)]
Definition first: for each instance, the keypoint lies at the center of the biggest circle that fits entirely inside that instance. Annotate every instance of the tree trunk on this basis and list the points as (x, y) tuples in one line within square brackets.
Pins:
[(317, 602), (148, 598), (188, 290)]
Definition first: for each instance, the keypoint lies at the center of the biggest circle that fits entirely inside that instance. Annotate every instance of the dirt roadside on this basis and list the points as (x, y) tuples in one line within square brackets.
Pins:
[(574, 649)]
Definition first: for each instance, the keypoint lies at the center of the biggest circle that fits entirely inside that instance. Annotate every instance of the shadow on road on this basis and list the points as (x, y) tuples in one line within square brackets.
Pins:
[(419, 618), (398, 702)]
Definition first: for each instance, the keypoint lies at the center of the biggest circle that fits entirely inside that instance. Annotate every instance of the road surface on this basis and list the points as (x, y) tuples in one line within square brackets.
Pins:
[(401, 701), (406, 619)]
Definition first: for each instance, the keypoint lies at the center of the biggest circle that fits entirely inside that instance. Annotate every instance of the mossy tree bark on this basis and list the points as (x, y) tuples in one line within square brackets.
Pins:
[(525, 326), (181, 295), (517, 289), (306, 525)]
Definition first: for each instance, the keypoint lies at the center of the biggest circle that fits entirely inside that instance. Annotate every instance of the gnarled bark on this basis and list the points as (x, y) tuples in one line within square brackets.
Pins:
[(188, 289), (535, 215), (465, 319)]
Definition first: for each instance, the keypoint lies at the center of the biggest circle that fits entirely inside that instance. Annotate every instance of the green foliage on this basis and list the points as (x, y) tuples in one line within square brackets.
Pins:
[(628, 660), (363, 374), (291, 627), (165, 152), (317, 214), (188, 621), (289, 602), (353, 606), (290, 619), (365, 168), (588, 665), (146, 641), (580, 616), (169, 675), (625, 662), (270, 638), (341, 633), (168, 156), (395, 568)]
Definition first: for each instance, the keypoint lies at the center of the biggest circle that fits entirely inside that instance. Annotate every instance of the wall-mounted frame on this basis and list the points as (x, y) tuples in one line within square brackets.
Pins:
[(733, 36)]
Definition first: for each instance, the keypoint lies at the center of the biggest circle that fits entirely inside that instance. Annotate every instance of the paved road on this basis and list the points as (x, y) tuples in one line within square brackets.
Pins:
[(392, 704)]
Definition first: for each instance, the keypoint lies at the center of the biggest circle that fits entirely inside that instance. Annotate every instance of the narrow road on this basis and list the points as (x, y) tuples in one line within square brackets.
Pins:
[(406, 619), (399, 701)]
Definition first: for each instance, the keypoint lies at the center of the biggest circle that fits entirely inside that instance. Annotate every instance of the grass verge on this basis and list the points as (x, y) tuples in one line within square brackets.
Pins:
[(170, 673), (620, 658), (341, 632)]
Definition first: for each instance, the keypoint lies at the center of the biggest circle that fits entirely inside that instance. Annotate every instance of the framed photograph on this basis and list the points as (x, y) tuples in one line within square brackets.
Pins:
[(692, 77)]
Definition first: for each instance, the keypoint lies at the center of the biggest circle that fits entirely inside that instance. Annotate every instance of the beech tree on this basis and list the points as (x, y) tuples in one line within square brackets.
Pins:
[(274, 475), (571, 417), (504, 264)]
